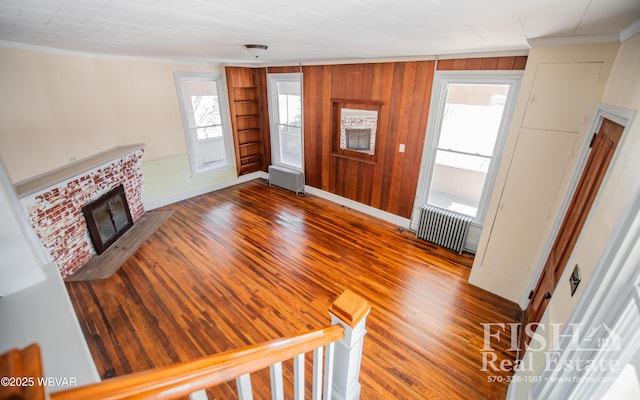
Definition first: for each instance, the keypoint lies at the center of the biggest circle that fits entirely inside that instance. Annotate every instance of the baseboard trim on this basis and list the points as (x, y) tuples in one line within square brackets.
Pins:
[(363, 208), (203, 190), (371, 211)]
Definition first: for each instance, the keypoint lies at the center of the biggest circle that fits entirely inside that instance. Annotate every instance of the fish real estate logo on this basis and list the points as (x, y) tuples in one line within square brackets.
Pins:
[(545, 338)]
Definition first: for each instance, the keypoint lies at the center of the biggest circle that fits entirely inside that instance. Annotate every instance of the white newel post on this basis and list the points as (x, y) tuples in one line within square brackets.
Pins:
[(350, 311)]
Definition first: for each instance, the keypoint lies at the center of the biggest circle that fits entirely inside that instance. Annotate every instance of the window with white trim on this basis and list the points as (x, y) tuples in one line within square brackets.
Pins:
[(203, 100), (285, 118), (466, 136)]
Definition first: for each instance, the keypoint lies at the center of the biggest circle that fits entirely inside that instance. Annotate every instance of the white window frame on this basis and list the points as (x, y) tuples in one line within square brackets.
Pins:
[(274, 116), (438, 99), (190, 132)]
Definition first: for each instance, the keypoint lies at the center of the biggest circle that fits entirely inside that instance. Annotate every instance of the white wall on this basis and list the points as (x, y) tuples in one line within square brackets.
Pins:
[(19, 265), (56, 108), (560, 90), (622, 183), (53, 109), (619, 189)]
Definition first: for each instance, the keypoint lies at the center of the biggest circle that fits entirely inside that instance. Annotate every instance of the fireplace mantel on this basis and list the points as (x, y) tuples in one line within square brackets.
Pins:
[(51, 178)]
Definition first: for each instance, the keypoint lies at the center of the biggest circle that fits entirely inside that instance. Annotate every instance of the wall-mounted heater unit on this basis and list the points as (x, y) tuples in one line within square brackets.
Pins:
[(443, 227), (286, 178)]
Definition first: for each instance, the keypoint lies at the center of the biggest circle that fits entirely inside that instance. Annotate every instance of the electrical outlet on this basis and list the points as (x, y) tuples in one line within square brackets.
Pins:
[(401, 149), (574, 279)]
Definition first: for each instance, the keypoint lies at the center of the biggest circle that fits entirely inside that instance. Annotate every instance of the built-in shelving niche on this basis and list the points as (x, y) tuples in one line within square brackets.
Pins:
[(247, 97)]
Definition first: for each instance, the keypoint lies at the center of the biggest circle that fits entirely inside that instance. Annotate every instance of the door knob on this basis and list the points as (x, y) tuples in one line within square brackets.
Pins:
[(547, 296)]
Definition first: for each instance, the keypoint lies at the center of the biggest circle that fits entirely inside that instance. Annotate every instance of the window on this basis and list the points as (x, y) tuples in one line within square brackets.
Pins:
[(468, 130), (205, 118), (285, 116)]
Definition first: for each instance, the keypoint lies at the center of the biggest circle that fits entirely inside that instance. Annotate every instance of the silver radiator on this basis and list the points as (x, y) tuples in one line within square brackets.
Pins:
[(443, 227), (286, 178)]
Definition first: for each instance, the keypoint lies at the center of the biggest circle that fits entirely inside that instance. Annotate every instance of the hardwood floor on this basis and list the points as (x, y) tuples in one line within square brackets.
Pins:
[(252, 263)]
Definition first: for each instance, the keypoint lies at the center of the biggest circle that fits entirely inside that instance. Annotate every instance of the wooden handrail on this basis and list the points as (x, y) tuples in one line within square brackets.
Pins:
[(23, 367), (187, 377)]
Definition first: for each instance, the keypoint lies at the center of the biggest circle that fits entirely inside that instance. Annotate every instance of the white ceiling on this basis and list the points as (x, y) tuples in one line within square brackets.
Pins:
[(304, 30)]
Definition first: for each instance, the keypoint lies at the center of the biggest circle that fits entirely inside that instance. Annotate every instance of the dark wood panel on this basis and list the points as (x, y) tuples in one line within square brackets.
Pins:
[(485, 63), (413, 156), (249, 149), (317, 126), (384, 89), (244, 93), (252, 263), (249, 135), (247, 107), (265, 137), (245, 122), (520, 62), (283, 69), (404, 90)]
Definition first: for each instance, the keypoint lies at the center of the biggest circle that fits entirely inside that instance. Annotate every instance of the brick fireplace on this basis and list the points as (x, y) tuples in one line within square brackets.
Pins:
[(55, 209)]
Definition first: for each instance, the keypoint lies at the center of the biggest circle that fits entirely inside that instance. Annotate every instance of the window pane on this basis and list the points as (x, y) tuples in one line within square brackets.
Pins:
[(457, 182), (204, 123), (289, 109), (285, 104), (209, 132), (211, 153), (290, 144), (206, 110), (472, 117)]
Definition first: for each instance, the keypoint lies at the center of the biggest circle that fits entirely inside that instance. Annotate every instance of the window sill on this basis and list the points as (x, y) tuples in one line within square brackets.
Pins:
[(370, 162), (288, 166)]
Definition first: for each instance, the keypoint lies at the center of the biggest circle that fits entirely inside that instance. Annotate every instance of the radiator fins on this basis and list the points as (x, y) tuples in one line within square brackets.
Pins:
[(443, 227)]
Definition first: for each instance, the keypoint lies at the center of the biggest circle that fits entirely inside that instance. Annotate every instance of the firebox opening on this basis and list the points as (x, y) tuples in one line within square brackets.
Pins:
[(358, 139), (108, 218)]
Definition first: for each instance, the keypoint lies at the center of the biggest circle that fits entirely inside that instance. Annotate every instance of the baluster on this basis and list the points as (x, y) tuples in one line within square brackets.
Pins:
[(298, 377), (317, 374), (245, 392), (328, 371), (277, 388), (199, 395)]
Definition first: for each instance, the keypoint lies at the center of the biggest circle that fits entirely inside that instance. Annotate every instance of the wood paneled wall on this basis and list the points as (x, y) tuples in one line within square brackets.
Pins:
[(404, 89), (483, 64)]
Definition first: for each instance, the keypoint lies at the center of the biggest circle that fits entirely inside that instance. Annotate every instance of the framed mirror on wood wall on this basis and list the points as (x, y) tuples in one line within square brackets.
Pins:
[(355, 128)]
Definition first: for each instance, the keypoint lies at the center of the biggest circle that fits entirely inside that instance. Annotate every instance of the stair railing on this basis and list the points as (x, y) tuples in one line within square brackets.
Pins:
[(337, 355)]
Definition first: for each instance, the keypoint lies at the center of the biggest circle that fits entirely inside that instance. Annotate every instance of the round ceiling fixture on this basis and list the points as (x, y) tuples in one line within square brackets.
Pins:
[(256, 50)]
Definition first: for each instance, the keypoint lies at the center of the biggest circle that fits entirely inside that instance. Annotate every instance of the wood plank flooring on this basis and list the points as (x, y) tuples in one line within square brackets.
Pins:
[(252, 263), (106, 264)]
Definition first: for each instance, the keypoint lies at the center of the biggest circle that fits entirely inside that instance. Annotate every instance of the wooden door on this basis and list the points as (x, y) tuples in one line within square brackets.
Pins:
[(603, 146)]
